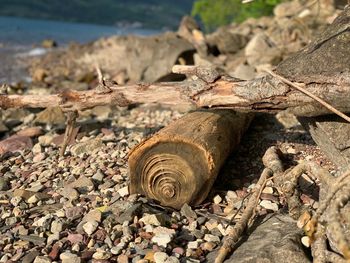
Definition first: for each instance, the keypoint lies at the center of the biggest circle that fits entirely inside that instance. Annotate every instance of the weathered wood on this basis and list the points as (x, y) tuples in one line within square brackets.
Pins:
[(321, 60), (266, 94), (180, 163), (332, 135)]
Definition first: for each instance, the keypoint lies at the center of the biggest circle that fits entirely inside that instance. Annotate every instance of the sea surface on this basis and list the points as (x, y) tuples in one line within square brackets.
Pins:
[(21, 37)]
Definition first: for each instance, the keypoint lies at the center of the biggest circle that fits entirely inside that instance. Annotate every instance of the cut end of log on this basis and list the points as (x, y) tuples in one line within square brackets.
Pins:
[(180, 163), (169, 172)]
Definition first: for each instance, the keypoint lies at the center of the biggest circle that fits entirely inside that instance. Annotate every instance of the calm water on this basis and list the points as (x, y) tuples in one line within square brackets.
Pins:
[(21, 37), (22, 31)]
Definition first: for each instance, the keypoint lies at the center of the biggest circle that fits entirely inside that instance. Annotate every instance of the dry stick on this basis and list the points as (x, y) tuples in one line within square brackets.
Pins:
[(306, 92), (71, 119), (238, 229)]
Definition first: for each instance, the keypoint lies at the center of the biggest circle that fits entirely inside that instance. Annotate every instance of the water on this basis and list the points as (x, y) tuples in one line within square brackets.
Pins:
[(21, 37), (22, 31)]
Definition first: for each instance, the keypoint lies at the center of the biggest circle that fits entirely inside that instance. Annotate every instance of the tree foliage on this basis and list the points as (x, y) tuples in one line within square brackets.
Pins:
[(214, 13)]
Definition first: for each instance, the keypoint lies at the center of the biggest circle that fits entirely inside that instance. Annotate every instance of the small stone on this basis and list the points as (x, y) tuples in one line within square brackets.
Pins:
[(269, 205), (160, 257), (193, 244), (90, 227), (51, 115), (86, 147), (211, 224), (42, 259), (305, 240), (48, 43), (83, 184), (231, 195), (68, 257), (179, 251), (52, 238), (30, 256), (217, 199), (162, 239), (187, 211), (39, 157), (154, 219), (69, 193), (123, 191), (123, 259), (267, 190), (98, 176), (101, 255), (211, 238), (208, 246), (15, 143), (31, 132), (172, 260), (36, 240), (4, 184), (56, 226)]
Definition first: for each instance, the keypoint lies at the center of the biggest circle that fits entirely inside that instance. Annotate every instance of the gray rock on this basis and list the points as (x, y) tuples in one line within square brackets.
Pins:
[(86, 147), (4, 184), (36, 240), (53, 115), (276, 239), (70, 193), (83, 184), (98, 176), (30, 256), (129, 214), (187, 211), (260, 51)]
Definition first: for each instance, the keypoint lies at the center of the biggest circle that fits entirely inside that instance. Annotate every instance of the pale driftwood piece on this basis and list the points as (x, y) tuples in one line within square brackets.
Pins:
[(179, 164), (266, 94)]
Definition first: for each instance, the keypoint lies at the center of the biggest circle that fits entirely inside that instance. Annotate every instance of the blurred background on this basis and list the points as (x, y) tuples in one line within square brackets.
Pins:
[(29, 21)]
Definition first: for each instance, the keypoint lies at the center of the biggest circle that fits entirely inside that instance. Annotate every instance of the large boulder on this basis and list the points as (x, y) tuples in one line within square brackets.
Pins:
[(122, 58)]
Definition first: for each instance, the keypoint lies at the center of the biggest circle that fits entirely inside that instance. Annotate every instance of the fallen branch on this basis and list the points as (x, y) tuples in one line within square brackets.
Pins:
[(266, 94)]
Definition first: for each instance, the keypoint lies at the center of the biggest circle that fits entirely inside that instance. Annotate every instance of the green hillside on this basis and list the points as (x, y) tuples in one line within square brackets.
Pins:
[(150, 13)]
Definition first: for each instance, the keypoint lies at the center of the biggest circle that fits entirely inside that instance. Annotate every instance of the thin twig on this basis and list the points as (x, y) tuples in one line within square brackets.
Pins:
[(235, 234), (308, 93), (71, 119)]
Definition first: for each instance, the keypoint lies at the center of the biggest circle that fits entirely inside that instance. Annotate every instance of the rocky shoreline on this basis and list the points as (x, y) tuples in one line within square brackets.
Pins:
[(77, 208)]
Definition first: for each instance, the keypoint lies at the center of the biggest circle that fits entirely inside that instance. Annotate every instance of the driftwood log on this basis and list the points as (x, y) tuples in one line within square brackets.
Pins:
[(180, 163)]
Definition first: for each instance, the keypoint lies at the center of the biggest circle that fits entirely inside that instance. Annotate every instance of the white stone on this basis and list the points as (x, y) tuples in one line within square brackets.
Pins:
[(211, 238), (269, 205), (217, 199), (193, 244), (305, 240), (267, 190), (90, 227), (123, 191), (68, 257), (160, 257), (162, 239)]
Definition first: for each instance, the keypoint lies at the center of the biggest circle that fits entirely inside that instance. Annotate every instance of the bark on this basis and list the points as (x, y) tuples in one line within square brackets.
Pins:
[(180, 163)]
